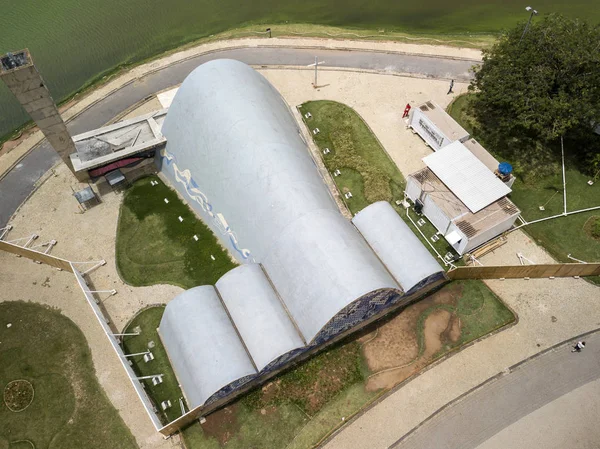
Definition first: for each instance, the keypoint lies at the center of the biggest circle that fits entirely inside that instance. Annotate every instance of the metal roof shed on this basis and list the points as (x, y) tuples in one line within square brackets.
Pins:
[(466, 176), (463, 229)]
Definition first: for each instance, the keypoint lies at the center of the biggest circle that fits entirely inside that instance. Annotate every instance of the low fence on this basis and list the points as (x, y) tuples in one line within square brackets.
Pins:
[(65, 265), (37, 256), (525, 271), (137, 385)]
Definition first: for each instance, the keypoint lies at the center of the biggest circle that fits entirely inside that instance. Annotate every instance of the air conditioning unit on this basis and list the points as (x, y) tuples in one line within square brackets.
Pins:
[(449, 257)]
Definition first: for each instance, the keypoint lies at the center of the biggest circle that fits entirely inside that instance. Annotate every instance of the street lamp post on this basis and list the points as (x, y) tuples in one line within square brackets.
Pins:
[(533, 13), (316, 64)]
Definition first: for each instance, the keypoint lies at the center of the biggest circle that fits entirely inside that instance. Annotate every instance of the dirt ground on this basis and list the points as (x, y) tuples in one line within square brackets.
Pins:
[(392, 351), (222, 425)]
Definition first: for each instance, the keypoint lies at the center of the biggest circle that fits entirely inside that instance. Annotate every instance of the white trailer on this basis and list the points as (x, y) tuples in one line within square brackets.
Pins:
[(435, 126)]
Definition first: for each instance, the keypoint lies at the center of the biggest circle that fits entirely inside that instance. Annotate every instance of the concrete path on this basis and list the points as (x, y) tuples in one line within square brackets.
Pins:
[(19, 182), (511, 397)]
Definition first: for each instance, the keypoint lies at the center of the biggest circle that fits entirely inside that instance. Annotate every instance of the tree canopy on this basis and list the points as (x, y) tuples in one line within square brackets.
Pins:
[(534, 88)]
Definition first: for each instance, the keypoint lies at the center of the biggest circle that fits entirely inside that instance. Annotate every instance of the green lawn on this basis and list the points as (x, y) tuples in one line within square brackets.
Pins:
[(154, 247), (366, 169), (69, 407), (458, 109), (148, 321), (480, 312), (560, 236)]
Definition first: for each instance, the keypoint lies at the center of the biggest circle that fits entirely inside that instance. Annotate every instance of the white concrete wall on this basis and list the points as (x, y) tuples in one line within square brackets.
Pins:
[(413, 189)]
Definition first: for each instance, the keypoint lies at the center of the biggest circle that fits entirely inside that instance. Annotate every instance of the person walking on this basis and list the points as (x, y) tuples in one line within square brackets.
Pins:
[(578, 347), (451, 86)]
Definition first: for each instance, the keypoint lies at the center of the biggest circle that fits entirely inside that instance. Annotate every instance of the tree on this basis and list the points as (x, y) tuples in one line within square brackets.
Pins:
[(532, 90)]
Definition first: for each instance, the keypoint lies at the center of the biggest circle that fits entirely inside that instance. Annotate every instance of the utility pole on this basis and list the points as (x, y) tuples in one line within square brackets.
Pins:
[(316, 64), (533, 13), (562, 149)]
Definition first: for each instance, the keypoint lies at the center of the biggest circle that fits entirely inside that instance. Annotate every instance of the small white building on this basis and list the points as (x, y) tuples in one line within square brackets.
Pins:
[(463, 199), (435, 126)]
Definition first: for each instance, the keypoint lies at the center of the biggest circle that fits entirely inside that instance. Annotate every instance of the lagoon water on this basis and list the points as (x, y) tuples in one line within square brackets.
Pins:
[(74, 41)]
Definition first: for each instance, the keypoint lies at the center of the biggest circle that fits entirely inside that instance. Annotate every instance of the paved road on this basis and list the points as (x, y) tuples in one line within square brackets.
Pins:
[(535, 386), (570, 421), (19, 183)]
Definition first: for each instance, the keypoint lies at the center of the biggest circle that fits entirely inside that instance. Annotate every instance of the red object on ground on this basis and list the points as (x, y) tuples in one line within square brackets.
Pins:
[(406, 111)]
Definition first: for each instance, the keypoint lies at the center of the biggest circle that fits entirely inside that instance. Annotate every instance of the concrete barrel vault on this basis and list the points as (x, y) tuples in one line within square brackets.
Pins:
[(235, 153)]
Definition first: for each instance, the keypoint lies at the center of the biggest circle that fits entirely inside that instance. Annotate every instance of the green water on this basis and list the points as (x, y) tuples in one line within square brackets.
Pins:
[(73, 41)]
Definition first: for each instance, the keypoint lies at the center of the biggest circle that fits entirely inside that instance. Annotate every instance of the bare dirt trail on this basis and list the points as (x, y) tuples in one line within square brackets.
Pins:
[(393, 351)]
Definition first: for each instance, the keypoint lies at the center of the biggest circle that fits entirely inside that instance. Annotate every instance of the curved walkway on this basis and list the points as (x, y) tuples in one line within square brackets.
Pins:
[(18, 184), (507, 398)]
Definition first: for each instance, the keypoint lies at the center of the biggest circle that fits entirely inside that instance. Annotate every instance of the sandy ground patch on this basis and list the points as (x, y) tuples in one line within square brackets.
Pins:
[(392, 351), (379, 99), (222, 425)]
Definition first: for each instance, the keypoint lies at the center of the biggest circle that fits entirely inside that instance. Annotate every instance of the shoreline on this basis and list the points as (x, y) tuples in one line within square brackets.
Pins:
[(80, 102), (289, 32)]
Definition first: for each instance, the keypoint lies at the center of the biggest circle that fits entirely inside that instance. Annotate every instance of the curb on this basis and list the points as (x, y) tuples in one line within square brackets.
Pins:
[(483, 384), (239, 47), (405, 382)]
